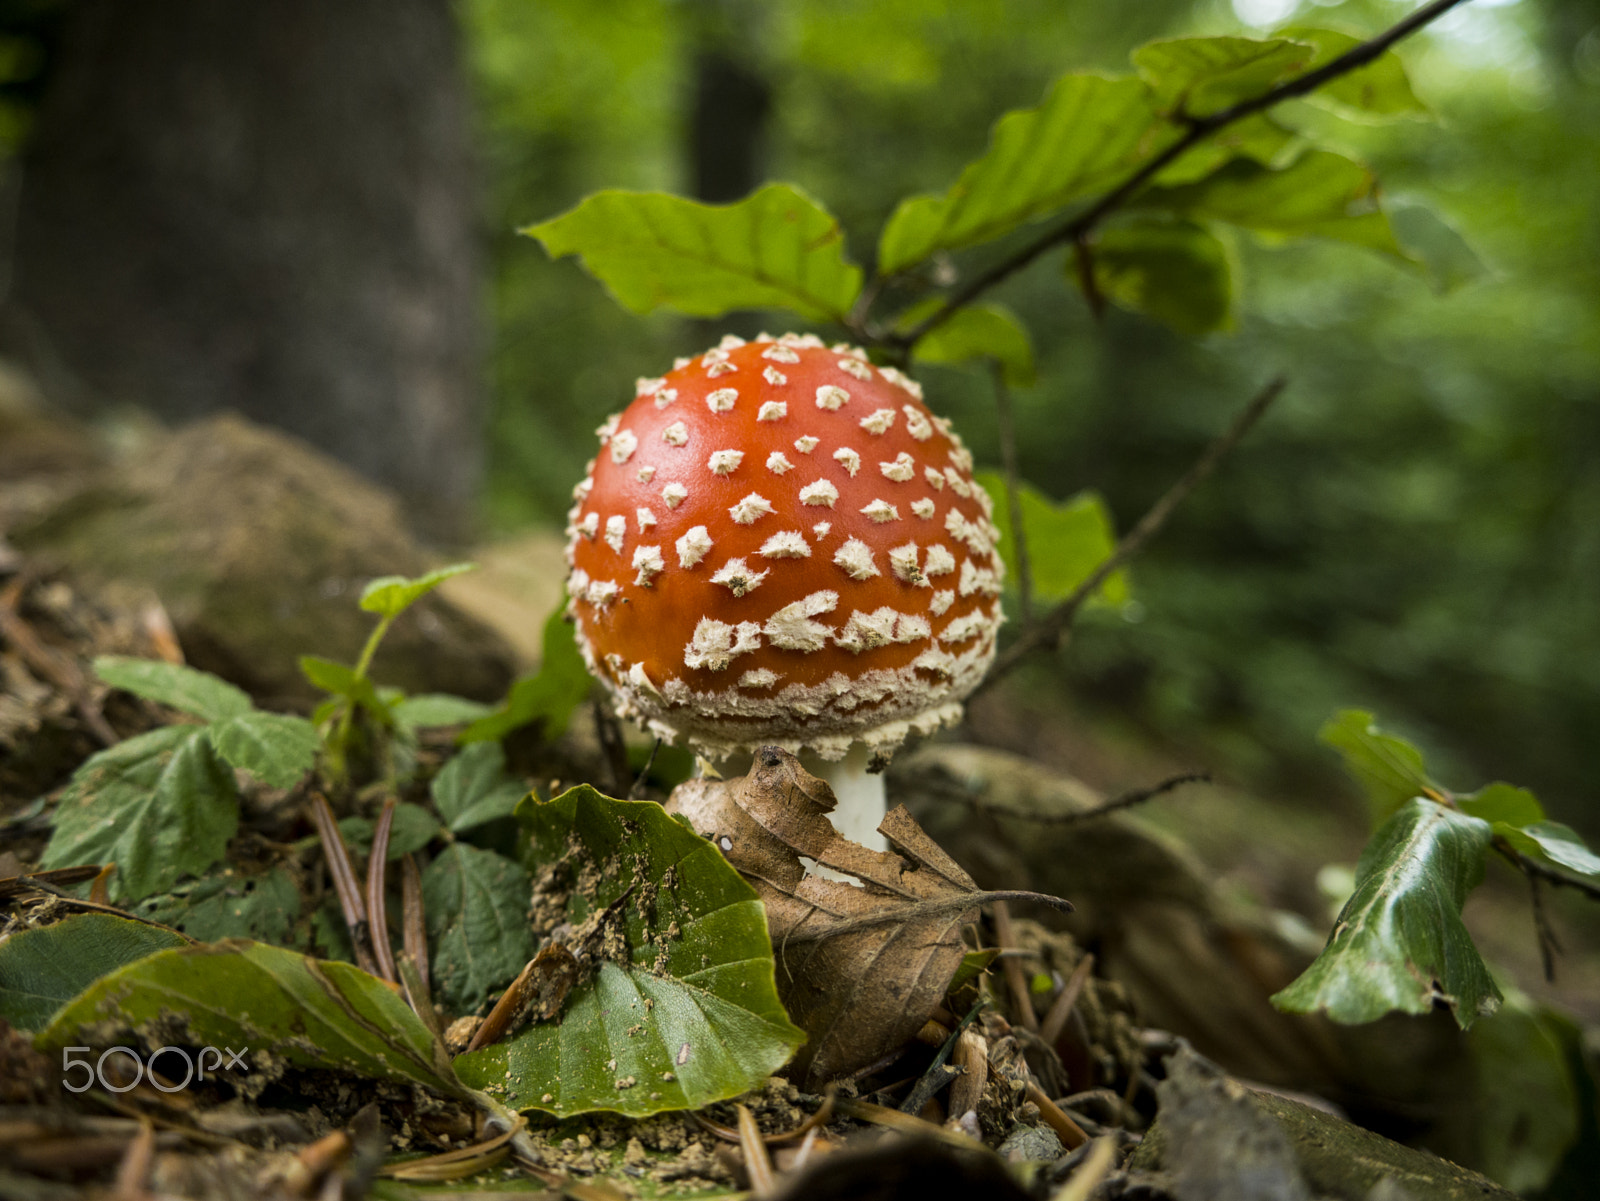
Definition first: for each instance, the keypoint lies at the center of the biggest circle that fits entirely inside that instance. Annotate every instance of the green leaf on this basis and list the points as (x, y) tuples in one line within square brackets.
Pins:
[(1520, 1057), (474, 788), (1502, 803), (44, 968), (1554, 844), (1320, 194), (411, 829), (1258, 137), (313, 1013), (341, 680), (1390, 769), (684, 1011), (1089, 134), (1448, 258), (1175, 271), (230, 906), (477, 907), (560, 686), (982, 332), (438, 709), (1195, 77), (776, 248), (158, 805), (1380, 89), (277, 747), (392, 595), (1399, 942), (1067, 540), (196, 692)]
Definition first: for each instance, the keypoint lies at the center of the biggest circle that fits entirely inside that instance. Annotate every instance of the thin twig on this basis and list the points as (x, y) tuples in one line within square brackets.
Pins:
[(1126, 801), (757, 1163), (1008, 461), (1048, 629), (344, 882), (1011, 968), (637, 790), (414, 918), (1532, 867), (377, 899), (1549, 945), (1056, 1020), (1199, 128), (1071, 1134), (931, 1082)]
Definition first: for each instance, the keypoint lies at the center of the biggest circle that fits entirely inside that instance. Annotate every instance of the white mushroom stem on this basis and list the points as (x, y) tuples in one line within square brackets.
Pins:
[(861, 795)]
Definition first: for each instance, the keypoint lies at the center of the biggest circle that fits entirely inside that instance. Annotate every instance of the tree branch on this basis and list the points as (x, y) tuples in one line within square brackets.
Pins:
[(1048, 629), (1198, 129)]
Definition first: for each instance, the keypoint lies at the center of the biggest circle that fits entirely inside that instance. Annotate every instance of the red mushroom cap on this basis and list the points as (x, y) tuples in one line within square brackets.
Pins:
[(779, 543)]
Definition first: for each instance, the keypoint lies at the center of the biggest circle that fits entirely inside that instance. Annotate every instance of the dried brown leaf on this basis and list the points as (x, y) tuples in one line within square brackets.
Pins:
[(860, 969)]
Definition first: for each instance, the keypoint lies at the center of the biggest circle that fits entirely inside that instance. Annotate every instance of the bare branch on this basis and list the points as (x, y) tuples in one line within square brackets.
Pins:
[(1199, 128), (1047, 630)]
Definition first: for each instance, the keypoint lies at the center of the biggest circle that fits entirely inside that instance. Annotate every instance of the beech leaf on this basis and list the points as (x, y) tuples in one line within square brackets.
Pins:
[(776, 248), (237, 994), (43, 968), (675, 1005)]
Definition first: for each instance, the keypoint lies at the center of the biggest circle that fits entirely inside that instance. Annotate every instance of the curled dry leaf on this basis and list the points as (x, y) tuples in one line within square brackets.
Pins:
[(860, 969)]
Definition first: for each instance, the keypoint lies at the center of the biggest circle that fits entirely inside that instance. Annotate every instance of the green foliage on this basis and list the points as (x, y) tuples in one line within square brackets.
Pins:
[(159, 805), (1388, 768), (477, 908), (1379, 90), (777, 248), (42, 969), (438, 709), (686, 1014), (561, 684), (988, 332), (473, 788), (277, 747), (1399, 942), (411, 829), (1177, 272), (394, 716), (312, 1013), (1520, 1059), (391, 595), (1320, 194), (196, 692), (1196, 77), (229, 906), (1067, 540), (1085, 137)]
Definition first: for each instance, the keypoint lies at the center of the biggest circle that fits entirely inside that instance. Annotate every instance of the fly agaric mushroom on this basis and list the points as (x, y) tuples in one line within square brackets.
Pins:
[(780, 544)]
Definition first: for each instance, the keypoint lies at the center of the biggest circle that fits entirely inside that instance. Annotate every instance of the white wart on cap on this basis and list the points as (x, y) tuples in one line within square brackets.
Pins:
[(779, 543)]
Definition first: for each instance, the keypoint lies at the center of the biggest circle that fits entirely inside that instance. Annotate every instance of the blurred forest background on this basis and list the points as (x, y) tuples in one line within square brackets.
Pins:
[(1414, 530)]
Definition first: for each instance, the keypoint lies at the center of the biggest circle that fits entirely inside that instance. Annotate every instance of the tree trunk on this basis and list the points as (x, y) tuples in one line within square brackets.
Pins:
[(268, 208)]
